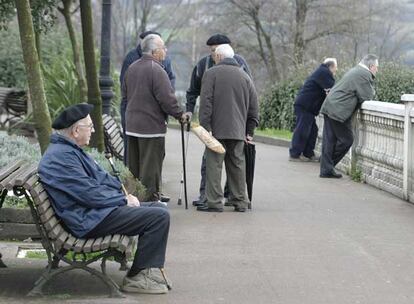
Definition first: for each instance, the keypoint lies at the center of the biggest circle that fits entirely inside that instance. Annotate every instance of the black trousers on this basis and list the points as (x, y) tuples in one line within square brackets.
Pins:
[(145, 158), (151, 224), (304, 135), (336, 142)]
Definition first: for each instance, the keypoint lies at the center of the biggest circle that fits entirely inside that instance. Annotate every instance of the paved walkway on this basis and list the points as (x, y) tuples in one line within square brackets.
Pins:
[(307, 241)]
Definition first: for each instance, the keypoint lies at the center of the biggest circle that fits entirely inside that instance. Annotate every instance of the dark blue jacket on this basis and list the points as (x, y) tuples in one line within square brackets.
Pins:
[(81, 192), (312, 94), (130, 58), (197, 75)]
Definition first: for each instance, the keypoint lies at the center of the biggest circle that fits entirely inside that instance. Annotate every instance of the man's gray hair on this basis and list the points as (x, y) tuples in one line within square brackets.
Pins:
[(330, 62), (370, 60), (149, 43), (225, 50)]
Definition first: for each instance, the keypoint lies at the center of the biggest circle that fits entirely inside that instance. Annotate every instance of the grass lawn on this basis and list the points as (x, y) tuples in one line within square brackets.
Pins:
[(277, 133)]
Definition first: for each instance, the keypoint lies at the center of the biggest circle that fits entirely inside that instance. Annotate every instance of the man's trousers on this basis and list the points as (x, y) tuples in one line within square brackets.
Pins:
[(151, 224), (304, 135), (145, 157), (336, 142), (236, 174)]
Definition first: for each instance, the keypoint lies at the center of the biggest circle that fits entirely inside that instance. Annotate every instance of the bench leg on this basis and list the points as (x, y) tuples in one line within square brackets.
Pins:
[(49, 273)]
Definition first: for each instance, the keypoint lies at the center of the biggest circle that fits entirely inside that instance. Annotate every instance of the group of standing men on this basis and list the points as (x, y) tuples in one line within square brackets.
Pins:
[(228, 109), (338, 103)]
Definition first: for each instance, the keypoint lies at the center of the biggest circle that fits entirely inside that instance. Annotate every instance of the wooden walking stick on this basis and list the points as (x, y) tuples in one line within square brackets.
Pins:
[(108, 156)]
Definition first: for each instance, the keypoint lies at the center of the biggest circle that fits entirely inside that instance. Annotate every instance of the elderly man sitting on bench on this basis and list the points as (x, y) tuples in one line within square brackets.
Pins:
[(91, 204)]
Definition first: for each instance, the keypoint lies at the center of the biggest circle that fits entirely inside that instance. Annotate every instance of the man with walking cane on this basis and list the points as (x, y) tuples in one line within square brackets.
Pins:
[(150, 99), (91, 204), (230, 111)]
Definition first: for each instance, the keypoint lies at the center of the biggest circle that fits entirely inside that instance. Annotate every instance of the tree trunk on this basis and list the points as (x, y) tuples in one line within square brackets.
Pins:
[(83, 91), (299, 47), (41, 114), (94, 95)]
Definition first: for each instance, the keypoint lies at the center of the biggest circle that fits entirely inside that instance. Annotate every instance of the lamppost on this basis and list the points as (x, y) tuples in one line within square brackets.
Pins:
[(105, 80)]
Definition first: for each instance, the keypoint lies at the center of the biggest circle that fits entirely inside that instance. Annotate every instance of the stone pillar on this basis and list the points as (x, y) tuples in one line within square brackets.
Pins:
[(105, 80), (408, 100)]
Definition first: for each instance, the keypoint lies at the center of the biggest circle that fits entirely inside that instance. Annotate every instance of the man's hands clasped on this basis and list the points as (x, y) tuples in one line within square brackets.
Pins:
[(132, 201)]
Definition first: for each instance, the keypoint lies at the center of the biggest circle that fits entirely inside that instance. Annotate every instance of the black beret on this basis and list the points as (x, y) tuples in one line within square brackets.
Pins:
[(218, 39), (71, 115), (146, 33)]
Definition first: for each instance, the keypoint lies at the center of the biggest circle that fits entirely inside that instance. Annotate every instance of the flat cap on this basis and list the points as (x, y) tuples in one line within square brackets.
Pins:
[(71, 115), (218, 39), (146, 33)]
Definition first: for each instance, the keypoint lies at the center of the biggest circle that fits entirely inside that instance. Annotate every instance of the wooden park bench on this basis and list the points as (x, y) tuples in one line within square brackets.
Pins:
[(13, 104), (114, 139), (22, 179)]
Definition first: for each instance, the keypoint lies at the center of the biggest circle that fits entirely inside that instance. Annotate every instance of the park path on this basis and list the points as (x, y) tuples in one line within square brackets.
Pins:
[(307, 241)]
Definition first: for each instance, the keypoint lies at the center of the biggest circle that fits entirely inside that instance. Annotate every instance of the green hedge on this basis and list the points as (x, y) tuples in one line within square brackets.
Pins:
[(276, 107)]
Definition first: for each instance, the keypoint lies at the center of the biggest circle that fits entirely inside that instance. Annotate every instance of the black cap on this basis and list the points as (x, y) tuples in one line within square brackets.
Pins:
[(146, 33), (218, 39), (71, 115)]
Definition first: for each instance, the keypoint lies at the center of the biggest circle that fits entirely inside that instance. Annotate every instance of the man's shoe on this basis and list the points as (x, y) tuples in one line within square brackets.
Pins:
[(295, 159), (156, 275), (228, 203), (164, 198), (331, 175), (143, 282), (240, 209), (206, 208), (312, 159)]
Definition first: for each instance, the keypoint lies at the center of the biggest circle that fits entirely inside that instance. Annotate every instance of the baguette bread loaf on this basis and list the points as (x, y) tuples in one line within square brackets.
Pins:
[(208, 139)]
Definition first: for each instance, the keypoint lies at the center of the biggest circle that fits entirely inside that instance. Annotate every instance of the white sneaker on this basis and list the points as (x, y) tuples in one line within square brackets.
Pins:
[(143, 283)]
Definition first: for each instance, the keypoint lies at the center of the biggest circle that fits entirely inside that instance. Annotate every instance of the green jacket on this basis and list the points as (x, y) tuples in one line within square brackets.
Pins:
[(353, 89)]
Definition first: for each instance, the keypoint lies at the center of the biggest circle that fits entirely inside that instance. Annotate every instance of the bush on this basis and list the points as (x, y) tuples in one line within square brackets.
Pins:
[(13, 148), (276, 107), (392, 81)]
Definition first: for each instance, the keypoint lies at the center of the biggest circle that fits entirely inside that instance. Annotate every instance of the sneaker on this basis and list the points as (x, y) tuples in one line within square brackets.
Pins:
[(296, 159), (156, 275), (143, 282), (164, 198)]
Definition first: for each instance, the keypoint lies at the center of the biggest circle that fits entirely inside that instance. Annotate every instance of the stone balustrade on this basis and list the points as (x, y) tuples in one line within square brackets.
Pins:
[(382, 154)]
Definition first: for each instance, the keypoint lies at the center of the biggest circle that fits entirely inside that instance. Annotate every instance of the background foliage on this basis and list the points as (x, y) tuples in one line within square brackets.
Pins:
[(276, 108)]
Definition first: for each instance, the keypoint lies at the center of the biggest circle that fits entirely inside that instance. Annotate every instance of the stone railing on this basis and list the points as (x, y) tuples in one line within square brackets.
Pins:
[(382, 154)]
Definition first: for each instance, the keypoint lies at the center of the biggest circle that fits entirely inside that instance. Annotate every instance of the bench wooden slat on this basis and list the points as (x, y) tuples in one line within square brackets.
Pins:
[(41, 198), (51, 223), (130, 247), (96, 246), (55, 232), (115, 241), (69, 242), (5, 171), (61, 239), (43, 207), (106, 241), (21, 179), (31, 182), (123, 243), (37, 190), (118, 141), (8, 182), (88, 245), (47, 214), (79, 243)]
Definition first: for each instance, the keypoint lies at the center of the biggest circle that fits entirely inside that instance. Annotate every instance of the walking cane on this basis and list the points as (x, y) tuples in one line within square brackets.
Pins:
[(184, 152), (108, 156), (182, 174)]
